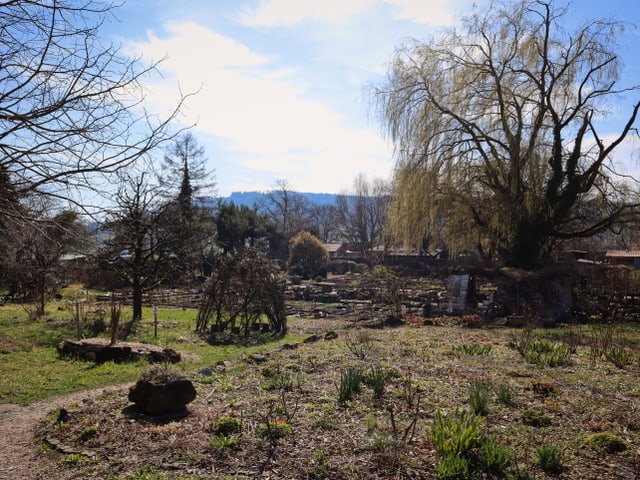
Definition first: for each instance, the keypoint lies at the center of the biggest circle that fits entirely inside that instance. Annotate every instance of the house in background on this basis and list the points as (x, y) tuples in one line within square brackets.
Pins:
[(623, 257)]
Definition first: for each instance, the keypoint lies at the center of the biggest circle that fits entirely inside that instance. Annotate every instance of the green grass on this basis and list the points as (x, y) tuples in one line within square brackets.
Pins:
[(31, 369)]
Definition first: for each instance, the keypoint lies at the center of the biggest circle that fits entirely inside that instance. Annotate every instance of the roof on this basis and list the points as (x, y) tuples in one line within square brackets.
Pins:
[(622, 253), (332, 247)]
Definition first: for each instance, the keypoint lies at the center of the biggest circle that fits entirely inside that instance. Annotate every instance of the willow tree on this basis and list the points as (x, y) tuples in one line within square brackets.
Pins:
[(497, 128)]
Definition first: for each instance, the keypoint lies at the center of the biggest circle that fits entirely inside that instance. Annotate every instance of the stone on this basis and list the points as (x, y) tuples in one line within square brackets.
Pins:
[(159, 398)]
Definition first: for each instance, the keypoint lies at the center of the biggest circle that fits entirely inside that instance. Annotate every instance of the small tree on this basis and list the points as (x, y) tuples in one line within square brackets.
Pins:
[(307, 255)]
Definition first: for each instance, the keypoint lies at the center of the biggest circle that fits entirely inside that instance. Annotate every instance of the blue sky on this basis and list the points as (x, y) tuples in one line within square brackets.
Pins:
[(281, 82)]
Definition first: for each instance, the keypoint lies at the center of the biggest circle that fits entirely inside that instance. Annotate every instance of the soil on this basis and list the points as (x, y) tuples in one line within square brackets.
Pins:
[(20, 456)]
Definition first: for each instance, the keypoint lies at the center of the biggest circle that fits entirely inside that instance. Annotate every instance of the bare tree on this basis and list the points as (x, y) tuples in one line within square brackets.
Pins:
[(362, 212), (286, 208), (138, 249), (496, 125), (71, 108)]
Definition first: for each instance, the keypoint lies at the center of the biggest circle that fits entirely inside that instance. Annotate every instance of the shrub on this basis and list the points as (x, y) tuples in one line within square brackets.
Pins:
[(308, 255), (606, 443)]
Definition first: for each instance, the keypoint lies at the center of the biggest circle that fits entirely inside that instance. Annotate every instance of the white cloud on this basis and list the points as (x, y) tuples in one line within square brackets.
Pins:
[(290, 12), (269, 125)]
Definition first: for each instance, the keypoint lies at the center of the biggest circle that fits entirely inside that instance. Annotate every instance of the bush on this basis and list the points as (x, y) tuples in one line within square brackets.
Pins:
[(227, 426), (307, 255)]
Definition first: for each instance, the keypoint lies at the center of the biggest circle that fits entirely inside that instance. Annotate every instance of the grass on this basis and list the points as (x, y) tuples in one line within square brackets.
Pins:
[(31, 369)]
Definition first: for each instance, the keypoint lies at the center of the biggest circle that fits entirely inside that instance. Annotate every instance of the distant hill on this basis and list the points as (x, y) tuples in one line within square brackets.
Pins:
[(251, 198)]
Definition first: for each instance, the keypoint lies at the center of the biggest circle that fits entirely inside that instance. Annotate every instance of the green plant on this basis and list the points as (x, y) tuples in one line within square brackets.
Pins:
[(222, 441), (380, 443), (495, 458), (453, 467), (505, 394), (544, 352), (350, 380), (359, 343), (479, 396), (281, 381), (549, 458), (605, 442), (377, 379), (456, 433), (227, 426), (534, 418), (618, 355), (472, 349), (321, 466), (274, 429), (87, 433)]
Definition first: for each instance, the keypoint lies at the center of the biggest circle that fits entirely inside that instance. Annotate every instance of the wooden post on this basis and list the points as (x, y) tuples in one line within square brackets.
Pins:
[(155, 321)]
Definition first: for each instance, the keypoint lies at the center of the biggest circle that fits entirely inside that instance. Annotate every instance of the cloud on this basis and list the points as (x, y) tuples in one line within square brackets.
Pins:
[(272, 13), (290, 12), (265, 117)]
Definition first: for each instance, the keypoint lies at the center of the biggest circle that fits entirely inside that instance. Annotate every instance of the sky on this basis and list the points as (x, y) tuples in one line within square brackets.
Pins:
[(280, 86)]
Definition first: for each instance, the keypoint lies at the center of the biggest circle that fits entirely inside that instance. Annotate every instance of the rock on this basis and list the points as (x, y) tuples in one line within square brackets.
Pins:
[(257, 358), (330, 335), (205, 372), (154, 398)]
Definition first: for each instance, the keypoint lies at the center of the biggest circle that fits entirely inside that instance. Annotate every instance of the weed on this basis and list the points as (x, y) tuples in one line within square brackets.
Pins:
[(281, 381), (606, 443), (534, 418), (549, 458), (505, 394), (87, 433), (350, 380), (325, 424), (479, 396)]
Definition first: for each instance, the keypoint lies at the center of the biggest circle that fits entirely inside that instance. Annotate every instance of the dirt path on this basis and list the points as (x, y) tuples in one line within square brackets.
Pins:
[(19, 458)]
